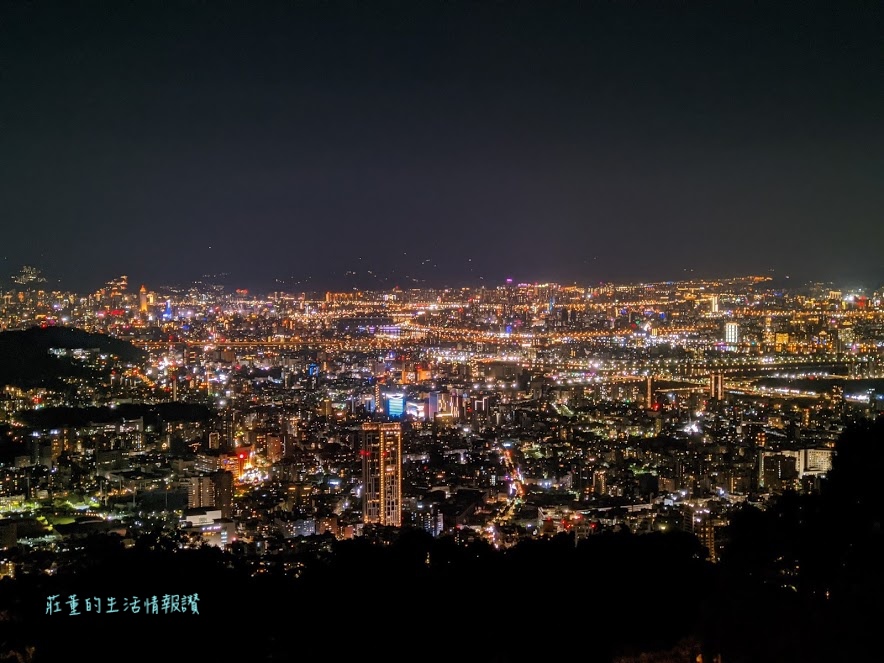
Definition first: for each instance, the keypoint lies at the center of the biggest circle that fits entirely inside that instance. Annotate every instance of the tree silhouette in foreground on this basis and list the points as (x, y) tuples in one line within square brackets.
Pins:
[(797, 580)]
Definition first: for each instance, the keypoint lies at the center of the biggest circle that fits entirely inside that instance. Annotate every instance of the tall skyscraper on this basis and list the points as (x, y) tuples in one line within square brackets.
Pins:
[(381, 449), (142, 299)]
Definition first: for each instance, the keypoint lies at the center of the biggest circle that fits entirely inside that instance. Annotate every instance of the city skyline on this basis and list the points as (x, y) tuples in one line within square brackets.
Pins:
[(449, 143), (29, 277)]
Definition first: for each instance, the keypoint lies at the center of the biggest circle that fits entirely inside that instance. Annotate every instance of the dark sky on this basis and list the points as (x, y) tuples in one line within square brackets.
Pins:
[(440, 143)]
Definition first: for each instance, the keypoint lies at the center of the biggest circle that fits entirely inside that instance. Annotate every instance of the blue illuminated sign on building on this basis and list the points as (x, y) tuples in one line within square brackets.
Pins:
[(396, 406)]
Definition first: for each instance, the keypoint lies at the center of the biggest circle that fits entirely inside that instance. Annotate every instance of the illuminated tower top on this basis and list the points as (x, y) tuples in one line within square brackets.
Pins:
[(28, 275)]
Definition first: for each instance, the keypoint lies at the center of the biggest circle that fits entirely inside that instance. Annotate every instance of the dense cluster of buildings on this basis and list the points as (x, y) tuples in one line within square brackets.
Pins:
[(262, 423)]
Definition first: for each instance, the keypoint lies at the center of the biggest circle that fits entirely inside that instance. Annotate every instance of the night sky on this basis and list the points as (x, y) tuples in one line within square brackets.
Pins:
[(317, 145)]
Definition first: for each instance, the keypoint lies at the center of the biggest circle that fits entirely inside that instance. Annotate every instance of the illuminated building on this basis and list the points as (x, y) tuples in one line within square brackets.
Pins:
[(142, 299), (275, 448), (769, 336), (817, 460), (173, 376), (381, 450), (211, 490), (429, 518), (778, 471), (236, 462), (846, 338), (396, 405), (200, 492), (781, 341), (716, 386), (732, 333), (432, 405), (207, 462), (28, 275), (327, 524), (208, 525), (704, 526), (600, 482), (378, 402)]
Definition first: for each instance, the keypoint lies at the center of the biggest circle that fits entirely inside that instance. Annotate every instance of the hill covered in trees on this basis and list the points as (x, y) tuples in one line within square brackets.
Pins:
[(26, 360), (152, 413)]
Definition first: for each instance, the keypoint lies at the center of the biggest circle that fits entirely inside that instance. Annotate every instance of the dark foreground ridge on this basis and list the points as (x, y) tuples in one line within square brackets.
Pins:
[(794, 583)]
